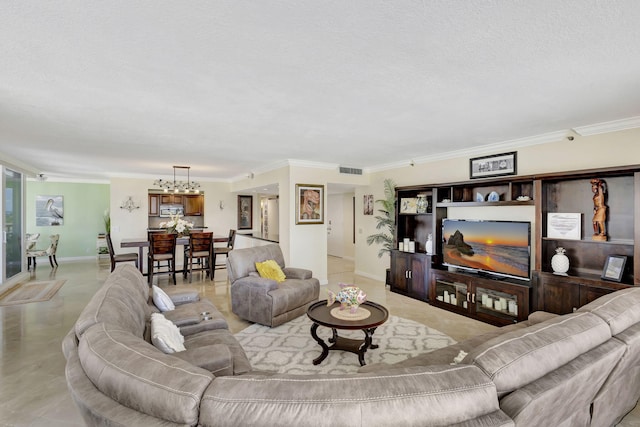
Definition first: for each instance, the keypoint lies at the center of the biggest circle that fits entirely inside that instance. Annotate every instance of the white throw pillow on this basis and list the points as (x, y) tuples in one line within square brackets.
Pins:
[(165, 335), (162, 300)]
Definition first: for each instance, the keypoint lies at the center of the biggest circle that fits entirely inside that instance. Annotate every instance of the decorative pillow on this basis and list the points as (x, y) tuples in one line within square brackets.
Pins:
[(165, 335), (162, 300), (270, 269)]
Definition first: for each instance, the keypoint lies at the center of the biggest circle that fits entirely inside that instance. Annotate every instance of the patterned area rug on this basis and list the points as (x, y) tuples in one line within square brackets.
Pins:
[(31, 292), (290, 349)]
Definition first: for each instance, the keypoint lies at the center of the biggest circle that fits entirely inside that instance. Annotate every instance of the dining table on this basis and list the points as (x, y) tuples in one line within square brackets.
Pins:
[(143, 242)]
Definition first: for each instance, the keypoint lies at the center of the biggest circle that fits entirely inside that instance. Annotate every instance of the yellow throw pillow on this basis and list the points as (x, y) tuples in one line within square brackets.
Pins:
[(270, 269)]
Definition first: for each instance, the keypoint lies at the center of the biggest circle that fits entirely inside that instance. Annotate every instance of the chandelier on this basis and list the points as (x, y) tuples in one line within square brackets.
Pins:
[(178, 186)]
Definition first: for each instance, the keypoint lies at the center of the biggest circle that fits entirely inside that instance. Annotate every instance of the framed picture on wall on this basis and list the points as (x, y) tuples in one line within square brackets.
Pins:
[(245, 212), (496, 165), (309, 204), (49, 210), (368, 204)]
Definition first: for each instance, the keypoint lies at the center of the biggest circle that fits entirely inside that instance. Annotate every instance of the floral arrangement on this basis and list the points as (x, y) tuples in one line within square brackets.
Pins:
[(177, 225)]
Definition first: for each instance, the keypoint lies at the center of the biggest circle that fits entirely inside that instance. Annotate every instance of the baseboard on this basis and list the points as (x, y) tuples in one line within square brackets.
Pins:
[(370, 276)]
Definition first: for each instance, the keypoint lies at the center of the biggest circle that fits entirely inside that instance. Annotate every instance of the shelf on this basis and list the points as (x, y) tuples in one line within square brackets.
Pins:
[(470, 204), (622, 242)]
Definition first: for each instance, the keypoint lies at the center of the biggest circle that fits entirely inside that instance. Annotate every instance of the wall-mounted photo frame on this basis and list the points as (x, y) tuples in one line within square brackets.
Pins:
[(309, 204), (368, 204), (614, 268), (245, 212), (49, 210), (495, 165)]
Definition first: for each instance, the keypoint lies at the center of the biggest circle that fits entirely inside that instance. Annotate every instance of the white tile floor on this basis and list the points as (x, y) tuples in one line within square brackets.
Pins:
[(33, 389)]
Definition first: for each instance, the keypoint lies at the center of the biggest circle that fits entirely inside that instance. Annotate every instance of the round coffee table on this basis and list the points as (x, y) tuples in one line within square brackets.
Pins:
[(320, 315)]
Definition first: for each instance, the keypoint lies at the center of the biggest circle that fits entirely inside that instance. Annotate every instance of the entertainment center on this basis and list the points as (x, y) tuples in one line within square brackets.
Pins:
[(483, 276)]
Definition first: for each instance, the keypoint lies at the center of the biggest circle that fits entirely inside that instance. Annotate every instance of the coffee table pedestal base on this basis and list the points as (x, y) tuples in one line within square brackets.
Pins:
[(358, 347)]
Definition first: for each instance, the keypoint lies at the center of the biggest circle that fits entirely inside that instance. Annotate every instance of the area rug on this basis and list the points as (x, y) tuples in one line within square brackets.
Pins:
[(31, 292), (290, 349)]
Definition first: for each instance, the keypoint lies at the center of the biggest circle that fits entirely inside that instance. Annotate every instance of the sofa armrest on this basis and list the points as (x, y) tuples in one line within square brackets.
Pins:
[(215, 358), (257, 282), (540, 316), (297, 273)]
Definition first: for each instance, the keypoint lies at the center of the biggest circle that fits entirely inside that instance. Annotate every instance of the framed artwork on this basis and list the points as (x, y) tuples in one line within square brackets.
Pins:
[(49, 210), (409, 205), (496, 165), (564, 225), (368, 204), (309, 204), (614, 267), (245, 212)]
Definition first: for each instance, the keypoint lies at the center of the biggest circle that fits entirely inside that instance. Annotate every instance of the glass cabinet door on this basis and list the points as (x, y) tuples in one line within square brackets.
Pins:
[(453, 293), (496, 303)]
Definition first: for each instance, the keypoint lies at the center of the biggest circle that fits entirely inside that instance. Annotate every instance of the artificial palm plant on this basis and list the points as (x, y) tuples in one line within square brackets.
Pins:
[(387, 219)]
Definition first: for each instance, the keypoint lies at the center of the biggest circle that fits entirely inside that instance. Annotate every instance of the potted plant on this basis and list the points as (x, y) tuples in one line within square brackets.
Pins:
[(386, 221)]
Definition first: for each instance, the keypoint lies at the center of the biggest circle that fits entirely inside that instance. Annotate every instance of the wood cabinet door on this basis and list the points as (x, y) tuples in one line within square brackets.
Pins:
[(559, 296), (419, 284), (154, 205), (194, 205), (399, 272)]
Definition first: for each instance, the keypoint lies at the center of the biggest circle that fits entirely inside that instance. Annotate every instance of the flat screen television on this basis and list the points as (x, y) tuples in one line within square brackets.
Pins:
[(500, 248)]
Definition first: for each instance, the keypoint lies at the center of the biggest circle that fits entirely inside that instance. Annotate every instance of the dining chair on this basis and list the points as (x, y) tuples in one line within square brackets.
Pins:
[(162, 247), (223, 251), (50, 252), (199, 250), (116, 258)]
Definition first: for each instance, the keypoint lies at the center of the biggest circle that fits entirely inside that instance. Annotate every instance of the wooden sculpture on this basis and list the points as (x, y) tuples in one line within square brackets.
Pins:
[(598, 188)]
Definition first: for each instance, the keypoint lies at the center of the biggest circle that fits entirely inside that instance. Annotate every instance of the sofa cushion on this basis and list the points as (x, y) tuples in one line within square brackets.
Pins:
[(162, 300), (116, 303), (189, 317), (165, 335), (446, 395), (517, 358), (205, 339), (620, 309), (137, 375), (270, 269)]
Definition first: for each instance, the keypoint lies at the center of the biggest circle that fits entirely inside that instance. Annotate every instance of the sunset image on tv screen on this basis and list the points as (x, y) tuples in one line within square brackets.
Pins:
[(501, 247)]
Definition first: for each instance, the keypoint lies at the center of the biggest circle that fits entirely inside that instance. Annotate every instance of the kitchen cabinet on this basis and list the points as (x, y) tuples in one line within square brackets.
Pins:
[(194, 205), (154, 204), (171, 199)]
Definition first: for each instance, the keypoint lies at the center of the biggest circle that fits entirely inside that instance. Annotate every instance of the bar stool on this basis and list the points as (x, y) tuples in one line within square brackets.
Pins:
[(116, 258), (162, 247), (200, 250), (223, 251)]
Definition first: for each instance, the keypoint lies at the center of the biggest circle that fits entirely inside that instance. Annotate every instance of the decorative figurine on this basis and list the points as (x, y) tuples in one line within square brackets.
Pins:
[(348, 297), (598, 187), (560, 262)]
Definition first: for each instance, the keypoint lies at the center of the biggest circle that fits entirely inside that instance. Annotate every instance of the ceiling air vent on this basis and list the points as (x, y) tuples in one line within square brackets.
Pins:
[(350, 171)]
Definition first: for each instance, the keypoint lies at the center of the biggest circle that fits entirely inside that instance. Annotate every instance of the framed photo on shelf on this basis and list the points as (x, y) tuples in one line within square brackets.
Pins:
[(409, 205), (245, 212), (495, 165), (614, 267), (309, 204), (564, 225)]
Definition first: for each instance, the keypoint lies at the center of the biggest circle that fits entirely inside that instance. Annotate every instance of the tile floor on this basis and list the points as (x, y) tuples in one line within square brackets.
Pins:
[(33, 390)]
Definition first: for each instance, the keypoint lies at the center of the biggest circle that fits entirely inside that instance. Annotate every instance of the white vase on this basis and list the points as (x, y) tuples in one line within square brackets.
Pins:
[(560, 262), (428, 246)]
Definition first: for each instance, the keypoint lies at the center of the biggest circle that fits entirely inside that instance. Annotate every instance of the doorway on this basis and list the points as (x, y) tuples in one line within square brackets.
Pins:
[(12, 225)]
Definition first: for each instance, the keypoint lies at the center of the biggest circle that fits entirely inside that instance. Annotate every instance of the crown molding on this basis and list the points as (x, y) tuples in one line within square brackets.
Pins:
[(606, 127), (478, 151)]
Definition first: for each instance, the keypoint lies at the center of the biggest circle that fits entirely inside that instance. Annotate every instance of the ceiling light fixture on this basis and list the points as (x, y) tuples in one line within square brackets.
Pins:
[(178, 186)]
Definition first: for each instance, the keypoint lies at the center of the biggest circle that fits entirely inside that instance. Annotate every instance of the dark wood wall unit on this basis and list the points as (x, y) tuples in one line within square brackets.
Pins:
[(558, 192)]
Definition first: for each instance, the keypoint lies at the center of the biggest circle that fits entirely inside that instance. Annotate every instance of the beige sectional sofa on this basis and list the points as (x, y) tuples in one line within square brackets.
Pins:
[(553, 370)]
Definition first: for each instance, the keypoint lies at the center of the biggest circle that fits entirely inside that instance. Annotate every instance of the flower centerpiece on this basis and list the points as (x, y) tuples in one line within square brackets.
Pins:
[(177, 225)]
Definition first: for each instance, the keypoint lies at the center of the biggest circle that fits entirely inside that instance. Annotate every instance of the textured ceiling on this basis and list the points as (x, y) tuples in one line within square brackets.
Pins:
[(94, 89)]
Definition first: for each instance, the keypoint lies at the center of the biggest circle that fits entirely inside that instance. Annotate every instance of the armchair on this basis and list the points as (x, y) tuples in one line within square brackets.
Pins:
[(263, 300)]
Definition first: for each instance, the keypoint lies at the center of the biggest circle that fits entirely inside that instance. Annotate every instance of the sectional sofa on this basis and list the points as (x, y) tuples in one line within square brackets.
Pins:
[(577, 369)]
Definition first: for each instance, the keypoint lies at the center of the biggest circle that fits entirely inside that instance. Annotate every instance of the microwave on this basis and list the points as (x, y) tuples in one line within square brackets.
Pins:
[(171, 210)]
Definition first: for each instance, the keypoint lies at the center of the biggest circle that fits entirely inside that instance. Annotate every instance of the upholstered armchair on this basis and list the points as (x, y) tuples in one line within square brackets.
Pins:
[(268, 301), (33, 253)]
